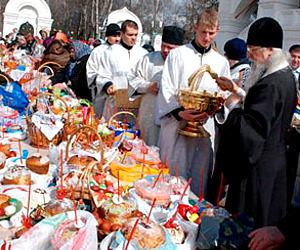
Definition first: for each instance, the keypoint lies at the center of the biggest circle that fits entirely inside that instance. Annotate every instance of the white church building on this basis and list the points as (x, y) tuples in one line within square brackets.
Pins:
[(36, 12), (236, 17)]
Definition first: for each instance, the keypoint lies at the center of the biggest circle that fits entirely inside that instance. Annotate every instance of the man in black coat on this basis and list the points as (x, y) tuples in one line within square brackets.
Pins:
[(252, 149)]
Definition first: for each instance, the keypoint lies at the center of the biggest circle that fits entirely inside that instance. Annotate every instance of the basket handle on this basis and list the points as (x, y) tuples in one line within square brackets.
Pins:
[(194, 81), (94, 131), (46, 65), (48, 94), (5, 77), (120, 113)]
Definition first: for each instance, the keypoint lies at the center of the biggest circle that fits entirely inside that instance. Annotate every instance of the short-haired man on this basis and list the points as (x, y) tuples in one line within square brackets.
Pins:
[(115, 63), (252, 149), (295, 60), (112, 35), (145, 78), (190, 154)]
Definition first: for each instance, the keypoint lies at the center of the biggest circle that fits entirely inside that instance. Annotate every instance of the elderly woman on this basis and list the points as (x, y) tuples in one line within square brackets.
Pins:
[(79, 53), (59, 56)]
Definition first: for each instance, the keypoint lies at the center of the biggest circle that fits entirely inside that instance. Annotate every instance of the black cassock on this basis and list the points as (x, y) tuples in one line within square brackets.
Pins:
[(252, 149)]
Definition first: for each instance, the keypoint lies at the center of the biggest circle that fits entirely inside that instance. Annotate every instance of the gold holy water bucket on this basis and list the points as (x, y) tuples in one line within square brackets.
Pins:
[(201, 101)]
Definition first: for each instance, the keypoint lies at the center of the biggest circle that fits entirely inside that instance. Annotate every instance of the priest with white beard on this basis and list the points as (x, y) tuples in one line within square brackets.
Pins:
[(115, 63), (252, 149), (145, 78), (189, 154)]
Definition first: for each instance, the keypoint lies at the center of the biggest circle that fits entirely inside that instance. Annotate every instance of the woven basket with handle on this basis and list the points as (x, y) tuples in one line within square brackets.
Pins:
[(85, 135), (47, 65), (36, 137), (2, 76), (122, 100), (201, 100), (118, 114)]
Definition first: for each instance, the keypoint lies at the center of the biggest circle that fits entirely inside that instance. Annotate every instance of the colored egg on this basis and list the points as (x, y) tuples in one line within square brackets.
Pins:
[(194, 217)]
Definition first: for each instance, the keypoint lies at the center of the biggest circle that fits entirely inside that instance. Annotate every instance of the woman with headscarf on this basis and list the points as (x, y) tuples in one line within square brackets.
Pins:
[(79, 53), (57, 53)]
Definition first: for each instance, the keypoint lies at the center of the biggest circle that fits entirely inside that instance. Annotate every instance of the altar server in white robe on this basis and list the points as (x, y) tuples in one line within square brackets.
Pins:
[(144, 79), (115, 64), (112, 35), (190, 154)]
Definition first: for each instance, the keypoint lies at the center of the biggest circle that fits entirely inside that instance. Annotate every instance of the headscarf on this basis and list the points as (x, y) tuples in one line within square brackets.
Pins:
[(81, 49), (56, 53)]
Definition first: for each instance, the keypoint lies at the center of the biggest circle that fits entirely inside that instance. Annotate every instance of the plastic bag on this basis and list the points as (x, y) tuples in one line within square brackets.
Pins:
[(14, 97), (41, 236)]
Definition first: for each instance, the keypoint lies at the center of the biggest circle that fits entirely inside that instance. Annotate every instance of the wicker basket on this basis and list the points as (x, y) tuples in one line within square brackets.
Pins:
[(46, 66), (85, 135), (201, 101), (81, 189), (122, 100), (114, 116), (7, 80), (36, 137)]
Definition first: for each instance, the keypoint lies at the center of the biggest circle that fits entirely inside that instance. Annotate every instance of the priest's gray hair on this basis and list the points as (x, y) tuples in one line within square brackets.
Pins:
[(258, 70)]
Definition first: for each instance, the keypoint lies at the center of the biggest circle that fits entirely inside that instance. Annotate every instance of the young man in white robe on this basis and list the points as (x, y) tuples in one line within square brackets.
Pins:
[(190, 154), (93, 65), (115, 64), (145, 78)]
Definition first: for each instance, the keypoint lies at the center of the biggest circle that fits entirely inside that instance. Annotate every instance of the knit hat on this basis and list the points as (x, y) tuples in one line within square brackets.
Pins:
[(265, 32), (61, 36), (235, 49), (173, 35), (112, 29)]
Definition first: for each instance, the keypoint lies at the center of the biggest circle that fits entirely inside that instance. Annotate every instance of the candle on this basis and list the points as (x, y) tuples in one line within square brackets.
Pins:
[(118, 185), (20, 149), (157, 179), (61, 169), (3, 128), (152, 205), (74, 203), (131, 233), (28, 201), (176, 172), (201, 184), (185, 189)]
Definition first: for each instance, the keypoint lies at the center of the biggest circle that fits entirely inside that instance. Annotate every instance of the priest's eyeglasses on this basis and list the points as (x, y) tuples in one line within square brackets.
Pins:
[(253, 49)]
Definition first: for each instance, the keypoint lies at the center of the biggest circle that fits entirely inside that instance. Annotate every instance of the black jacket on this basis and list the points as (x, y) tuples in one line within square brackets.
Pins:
[(252, 149)]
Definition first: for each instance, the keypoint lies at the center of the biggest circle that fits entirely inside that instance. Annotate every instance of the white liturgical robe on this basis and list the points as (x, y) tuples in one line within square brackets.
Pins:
[(115, 64), (148, 69), (92, 75), (191, 154)]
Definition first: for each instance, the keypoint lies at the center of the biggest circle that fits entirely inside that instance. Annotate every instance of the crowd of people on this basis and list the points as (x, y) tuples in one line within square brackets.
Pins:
[(251, 144)]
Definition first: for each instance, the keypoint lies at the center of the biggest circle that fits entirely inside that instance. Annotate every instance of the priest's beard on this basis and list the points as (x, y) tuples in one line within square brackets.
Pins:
[(256, 73), (259, 69)]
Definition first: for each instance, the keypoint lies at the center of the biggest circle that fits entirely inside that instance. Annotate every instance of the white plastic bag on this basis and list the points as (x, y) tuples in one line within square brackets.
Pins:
[(42, 234)]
